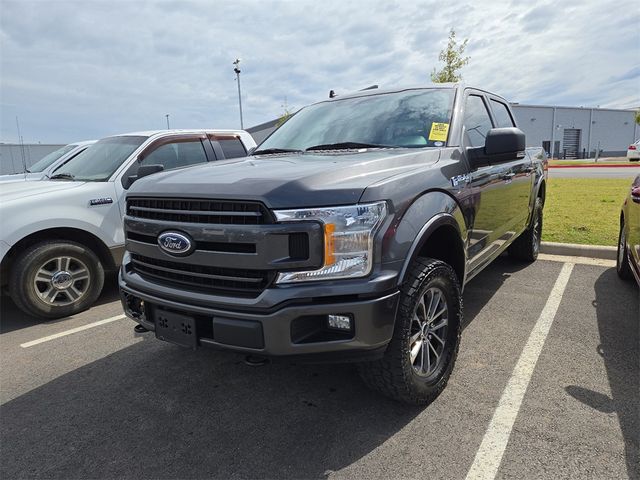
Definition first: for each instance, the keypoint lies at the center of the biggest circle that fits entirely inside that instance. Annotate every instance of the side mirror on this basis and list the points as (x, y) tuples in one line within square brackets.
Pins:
[(143, 171), (502, 141), (500, 145)]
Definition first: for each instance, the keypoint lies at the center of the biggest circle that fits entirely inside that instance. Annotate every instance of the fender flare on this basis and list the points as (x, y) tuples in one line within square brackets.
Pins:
[(439, 220), (425, 215)]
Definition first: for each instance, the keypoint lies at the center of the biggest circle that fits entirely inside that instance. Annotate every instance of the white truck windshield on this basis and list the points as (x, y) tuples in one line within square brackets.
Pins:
[(98, 162)]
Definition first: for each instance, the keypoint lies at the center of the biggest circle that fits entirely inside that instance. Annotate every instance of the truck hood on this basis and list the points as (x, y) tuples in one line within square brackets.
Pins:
[(21, 189), (311, 179), (19, 177)]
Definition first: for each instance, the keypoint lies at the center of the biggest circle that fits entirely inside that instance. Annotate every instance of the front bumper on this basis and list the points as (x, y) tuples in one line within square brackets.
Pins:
[(293, 330)]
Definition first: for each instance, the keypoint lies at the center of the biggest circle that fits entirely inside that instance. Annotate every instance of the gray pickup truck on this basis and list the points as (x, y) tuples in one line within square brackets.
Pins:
[(348, 235)]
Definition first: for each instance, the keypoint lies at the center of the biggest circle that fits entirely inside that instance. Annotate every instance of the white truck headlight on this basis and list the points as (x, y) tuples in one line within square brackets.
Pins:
[(348, 240)]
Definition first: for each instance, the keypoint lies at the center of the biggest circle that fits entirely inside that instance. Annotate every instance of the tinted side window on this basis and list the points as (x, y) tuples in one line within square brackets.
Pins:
[(501, 114), (174, 155), (477, 121), (232, 148)]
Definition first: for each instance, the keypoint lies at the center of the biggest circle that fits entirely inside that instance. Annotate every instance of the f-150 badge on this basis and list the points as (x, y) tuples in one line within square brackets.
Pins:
[(460, 179), (100, 201)]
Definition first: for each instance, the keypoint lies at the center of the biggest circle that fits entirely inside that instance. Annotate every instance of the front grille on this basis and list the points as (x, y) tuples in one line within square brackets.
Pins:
[(224, 247), (191, 210), (213, 280)]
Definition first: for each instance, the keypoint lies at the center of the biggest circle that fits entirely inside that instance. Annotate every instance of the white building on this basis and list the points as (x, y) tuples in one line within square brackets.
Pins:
[(577, 132)]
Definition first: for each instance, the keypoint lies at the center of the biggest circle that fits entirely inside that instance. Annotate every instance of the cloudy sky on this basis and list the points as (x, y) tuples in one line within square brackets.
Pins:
[(74, 70)]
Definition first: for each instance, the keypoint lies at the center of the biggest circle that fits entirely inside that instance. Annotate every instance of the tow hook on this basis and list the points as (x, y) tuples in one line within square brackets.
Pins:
[(255, 361), (139, 329)]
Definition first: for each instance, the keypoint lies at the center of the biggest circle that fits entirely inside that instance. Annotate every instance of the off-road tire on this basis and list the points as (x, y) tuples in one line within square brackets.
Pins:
[(394, 375), (622, 257), (23, 271), (527, 246)]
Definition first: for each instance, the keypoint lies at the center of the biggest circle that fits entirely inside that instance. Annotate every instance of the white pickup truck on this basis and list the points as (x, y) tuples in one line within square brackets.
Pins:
[(59, 236)]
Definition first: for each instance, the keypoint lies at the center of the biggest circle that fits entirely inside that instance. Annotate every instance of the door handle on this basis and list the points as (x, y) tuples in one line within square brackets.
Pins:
[(508, 176)]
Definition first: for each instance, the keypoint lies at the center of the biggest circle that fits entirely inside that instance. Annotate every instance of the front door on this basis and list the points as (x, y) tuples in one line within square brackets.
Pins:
[(490, 210)]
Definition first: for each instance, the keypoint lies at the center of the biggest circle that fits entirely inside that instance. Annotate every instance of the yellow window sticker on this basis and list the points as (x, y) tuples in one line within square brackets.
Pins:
[(439, 132)]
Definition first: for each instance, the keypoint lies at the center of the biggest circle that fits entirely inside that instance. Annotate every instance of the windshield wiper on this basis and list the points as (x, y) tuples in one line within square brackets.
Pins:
[(346, 146), (267, 151), (65, 176)]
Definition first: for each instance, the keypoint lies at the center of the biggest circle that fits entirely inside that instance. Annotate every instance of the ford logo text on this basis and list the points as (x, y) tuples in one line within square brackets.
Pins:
[(175, 243)]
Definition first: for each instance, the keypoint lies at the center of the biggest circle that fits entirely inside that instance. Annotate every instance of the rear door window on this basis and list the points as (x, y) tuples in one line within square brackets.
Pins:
[(501, 114), (176, 155), (232, 147)]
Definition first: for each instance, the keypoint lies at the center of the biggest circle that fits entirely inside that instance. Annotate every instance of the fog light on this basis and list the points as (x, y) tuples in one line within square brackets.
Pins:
[(339, 322)]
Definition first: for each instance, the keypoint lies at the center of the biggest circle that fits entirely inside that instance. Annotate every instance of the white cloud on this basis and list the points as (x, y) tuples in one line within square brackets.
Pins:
[(87, 69)]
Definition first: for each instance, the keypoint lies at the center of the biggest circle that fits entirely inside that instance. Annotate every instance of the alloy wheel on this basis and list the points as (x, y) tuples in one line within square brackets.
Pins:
[(428, 332), (62, 281)]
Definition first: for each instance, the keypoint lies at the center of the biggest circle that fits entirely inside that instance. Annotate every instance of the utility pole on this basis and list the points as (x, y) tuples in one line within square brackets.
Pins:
[(167, 117), (24, 160), (237, 70)]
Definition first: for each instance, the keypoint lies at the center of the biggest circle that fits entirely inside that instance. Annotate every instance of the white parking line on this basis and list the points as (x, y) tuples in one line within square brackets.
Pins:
[(494, 443), (71, 331), (600, 262)]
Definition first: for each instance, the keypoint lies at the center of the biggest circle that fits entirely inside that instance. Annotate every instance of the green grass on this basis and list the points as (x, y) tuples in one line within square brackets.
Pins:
[(621, 161), (584, 210)]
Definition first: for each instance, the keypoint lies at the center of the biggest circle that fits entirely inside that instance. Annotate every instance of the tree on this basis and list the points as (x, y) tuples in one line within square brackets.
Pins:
[(283, 118), (638, 117), (453, 59), (285, 115)]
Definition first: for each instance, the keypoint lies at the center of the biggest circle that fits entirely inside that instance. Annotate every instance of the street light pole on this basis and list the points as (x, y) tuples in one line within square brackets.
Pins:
[(167, 116), (237, 70)]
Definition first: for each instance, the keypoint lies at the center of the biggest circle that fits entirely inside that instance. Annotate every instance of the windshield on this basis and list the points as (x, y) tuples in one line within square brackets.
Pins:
[(47, 160), (98, 162), (412, 118)]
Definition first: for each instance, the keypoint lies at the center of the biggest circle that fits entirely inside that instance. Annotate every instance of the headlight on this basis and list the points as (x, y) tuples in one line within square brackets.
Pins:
[(348, 240)]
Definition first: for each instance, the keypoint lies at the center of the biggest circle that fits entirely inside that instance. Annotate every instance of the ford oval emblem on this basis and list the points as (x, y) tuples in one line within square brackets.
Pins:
[(175, 243)]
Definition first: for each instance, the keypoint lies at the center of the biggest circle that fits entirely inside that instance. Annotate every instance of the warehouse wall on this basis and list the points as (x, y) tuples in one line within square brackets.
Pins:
[(11, 155), (609, 130)]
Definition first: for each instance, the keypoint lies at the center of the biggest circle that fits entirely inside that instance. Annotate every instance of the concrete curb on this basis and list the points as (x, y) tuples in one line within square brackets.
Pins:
[(595, 166), (574, 250)]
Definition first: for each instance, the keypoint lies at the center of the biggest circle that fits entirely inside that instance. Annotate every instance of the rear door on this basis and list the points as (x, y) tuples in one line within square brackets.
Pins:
[(634, 223), (517, 175)]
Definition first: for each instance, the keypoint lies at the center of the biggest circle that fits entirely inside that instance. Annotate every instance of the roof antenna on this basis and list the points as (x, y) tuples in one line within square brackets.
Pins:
[(332, 94), (370, 87)]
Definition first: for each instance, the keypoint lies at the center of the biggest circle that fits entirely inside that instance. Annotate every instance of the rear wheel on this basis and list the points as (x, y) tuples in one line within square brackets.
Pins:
[(56, 279), (622, 260), (420, 357), (527, 246)]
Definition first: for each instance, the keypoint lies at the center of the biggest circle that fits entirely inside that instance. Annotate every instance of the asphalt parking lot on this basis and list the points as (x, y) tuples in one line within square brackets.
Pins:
[(105, 403)]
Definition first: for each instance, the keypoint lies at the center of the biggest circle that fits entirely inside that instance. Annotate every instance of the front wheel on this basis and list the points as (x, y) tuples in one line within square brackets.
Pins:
[(622, 260), (420, 357), (56, 279)]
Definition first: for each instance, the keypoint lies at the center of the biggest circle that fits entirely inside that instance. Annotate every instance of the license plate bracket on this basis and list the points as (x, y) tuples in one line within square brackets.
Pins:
[(176, 328)]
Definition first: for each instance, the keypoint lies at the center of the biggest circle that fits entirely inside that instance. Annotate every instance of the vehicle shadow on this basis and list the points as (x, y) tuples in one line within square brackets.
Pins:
[(618, 326), (484, 286), (154, 410), (12, 318)]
